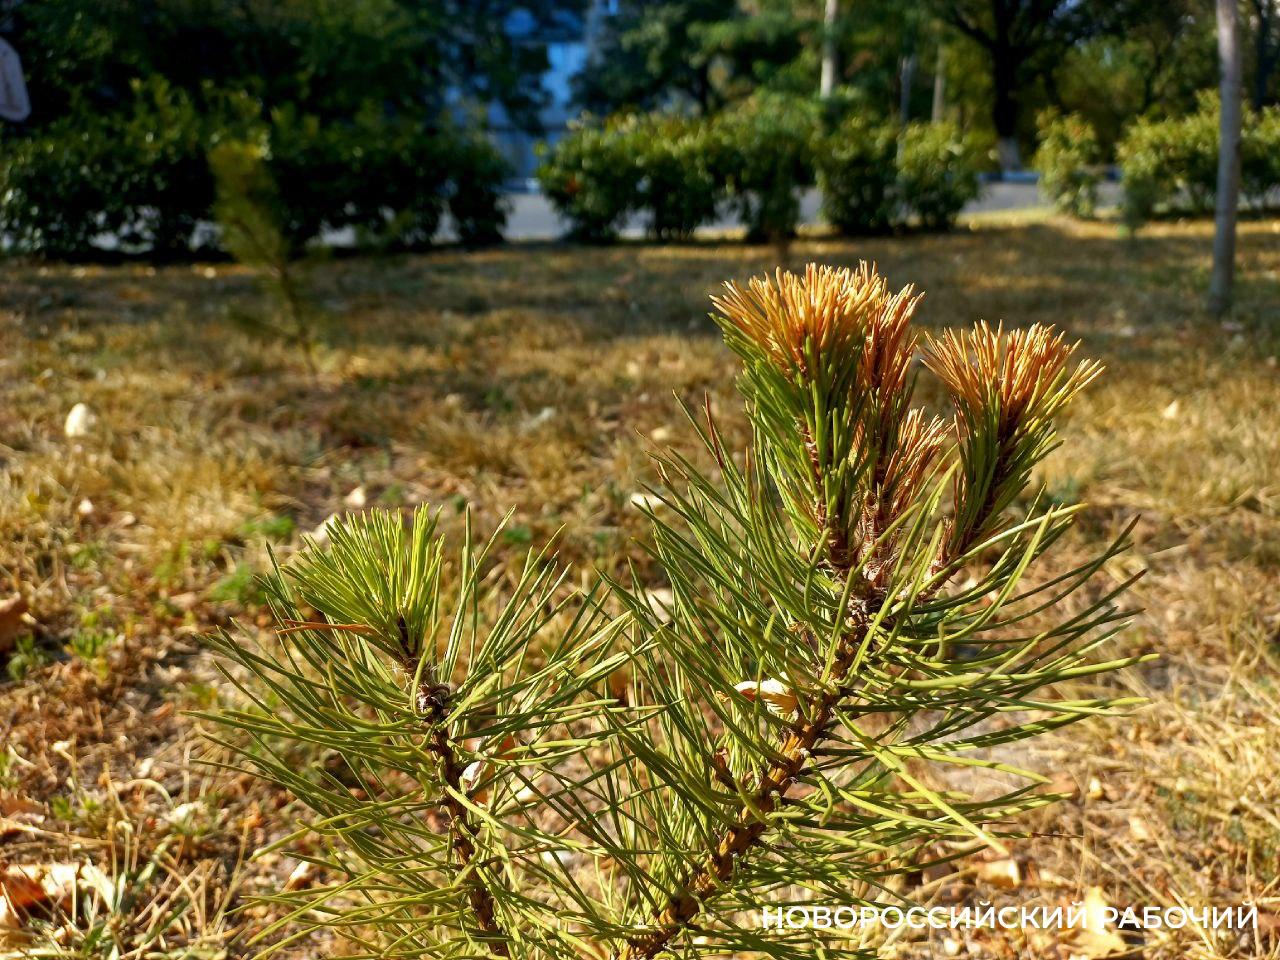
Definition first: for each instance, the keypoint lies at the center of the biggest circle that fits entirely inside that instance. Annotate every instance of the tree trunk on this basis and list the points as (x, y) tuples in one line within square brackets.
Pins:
[(939, 111), (904, 96), (1004, 75), (1224, 237), (828, 81)]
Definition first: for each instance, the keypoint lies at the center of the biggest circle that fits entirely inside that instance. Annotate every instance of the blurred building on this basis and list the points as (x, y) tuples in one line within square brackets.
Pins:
[(569, 41)]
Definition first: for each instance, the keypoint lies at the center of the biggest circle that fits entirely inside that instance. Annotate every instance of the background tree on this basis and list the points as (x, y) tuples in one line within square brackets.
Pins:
[(1157, 64), (696, 52), (363, 104), (1020, 37), (323, 58), (1265, 16)]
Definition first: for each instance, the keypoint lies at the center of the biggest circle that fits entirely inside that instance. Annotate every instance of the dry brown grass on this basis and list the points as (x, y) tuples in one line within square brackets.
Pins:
[(535, 378)]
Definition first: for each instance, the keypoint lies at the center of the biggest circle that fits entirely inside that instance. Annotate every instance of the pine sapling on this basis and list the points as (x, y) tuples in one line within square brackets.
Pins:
[(808, 673), (247, 212), (864, 608)]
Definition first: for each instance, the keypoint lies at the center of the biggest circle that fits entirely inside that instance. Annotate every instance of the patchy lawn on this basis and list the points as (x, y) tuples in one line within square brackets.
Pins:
[(535, 378)]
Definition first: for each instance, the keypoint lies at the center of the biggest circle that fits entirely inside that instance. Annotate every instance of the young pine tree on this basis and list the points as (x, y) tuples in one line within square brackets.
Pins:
[(247, 209), (860, 600)]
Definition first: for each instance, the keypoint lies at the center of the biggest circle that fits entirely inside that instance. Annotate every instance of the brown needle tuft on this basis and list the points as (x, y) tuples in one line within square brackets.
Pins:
[(1021, 376), (829, 312)]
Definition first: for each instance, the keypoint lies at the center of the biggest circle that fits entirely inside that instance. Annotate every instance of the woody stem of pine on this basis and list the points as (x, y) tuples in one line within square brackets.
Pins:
[(464, 833), (749, 826)]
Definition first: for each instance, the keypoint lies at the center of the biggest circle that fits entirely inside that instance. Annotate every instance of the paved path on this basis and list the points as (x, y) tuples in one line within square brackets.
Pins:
[(532, 217)]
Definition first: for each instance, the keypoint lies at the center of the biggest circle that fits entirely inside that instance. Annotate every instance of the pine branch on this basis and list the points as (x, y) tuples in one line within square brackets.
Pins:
[(465, 832), (751, 825)]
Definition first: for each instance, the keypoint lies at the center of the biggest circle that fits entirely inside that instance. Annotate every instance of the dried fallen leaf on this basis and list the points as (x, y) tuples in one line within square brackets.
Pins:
[(300, 878), (80, 421), (660, 601), (12, 610), (13, 805), (1094, 939), (1003, 874), (647, 501), (1138, 827), (482, 770), (34, 885), (778, 697)]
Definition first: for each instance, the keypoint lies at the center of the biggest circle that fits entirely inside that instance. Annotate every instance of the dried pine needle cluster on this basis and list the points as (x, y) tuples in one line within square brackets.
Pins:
[(523, 771)]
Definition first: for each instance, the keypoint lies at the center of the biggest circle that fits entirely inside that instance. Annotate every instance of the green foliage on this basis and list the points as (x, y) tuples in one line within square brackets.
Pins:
[(137, 173), (704, 53), (592, 178), (769, 158), (755, 158), (249, 211), (325, 59), (937, 173), (388, 178), (496, 765), (441, 710), (90, 642), (1171, 166), (1156, 66), (474, 195), (25, 657), (682, 163), (357, 131), (1260, 156), (873, 178), (669, 167), (239, 587), (856, 174), (1068, 161)]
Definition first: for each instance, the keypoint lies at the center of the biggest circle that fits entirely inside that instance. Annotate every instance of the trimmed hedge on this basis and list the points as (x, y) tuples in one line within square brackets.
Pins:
[(937, 173), (769, 159), (1068, 160), (592, 179), (857, 175), (755, 159), (874, 179), (681, 165), (139, 174), (1171, 166), (142, 175)]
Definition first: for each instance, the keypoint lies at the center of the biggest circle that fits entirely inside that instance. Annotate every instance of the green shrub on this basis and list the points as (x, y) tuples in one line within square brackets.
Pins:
[(384, 177), (937, 173), (592, 178), (682, 169), (138, 174), (857, 175), (1068, 161), (670, 167), (1170, 165), (1260, 155), (756, 157), (476, 174), (142, 175), (768, 159)]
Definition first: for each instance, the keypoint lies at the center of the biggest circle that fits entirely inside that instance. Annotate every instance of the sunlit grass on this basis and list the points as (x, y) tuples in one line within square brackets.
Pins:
[(536, 378)]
